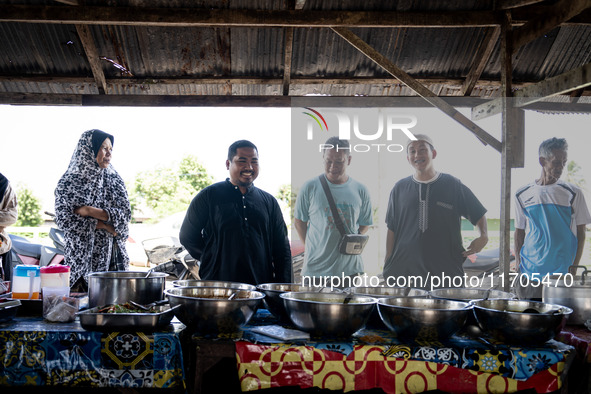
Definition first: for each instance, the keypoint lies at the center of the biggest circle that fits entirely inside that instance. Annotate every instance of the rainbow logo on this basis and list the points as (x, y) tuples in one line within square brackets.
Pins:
[(316, 118)]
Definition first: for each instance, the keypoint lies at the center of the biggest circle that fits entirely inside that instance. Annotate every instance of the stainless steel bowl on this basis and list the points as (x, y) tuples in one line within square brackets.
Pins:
[(467, 294), (385, 291), (328, 314), (506, 321), (423, 319), (208, 309), (118, 287), (212, 283), (375, 321), (471, 293), (275, 304)]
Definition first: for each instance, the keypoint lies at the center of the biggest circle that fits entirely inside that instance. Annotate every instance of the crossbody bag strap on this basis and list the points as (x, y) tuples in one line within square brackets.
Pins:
[(335, 213)]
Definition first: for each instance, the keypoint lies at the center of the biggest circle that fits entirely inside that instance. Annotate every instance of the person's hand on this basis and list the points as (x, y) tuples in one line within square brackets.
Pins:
[(82, 211), (475, 246), (104, 226)]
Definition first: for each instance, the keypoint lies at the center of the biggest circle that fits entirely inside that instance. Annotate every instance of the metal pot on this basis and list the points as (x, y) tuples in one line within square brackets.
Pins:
[(118, 287), (575, 294)]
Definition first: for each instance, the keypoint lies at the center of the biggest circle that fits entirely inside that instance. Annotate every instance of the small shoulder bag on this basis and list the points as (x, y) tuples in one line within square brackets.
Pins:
[(350, 243)]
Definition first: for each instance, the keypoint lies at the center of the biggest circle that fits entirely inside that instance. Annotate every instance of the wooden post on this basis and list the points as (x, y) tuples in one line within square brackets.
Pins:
[(506, 76)]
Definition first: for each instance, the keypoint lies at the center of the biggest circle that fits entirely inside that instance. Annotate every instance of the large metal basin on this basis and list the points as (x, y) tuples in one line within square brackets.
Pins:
[(275, 304), (208, 310), (327, 314), (471, 293), (375, 321), (423, 319), (212, 283), (507, 321), (118, 287), (574, 292)]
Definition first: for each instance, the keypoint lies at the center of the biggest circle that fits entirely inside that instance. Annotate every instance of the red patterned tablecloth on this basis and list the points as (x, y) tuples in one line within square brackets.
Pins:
[(373, 366), (580, 338)]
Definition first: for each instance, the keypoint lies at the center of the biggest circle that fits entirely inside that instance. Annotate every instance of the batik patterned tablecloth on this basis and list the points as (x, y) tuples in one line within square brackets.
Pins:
[(38, 353), (376, 359)]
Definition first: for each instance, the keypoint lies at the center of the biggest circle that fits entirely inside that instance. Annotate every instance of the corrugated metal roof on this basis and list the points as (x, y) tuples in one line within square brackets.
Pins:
[(147, 59)]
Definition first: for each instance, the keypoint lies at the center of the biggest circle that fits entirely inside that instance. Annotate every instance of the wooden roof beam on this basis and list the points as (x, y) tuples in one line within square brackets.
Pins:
[(207, 17), (556, 14), (482, 56), (257, 101), (413, 84), (575, 79), (93, 58), (287, 54), (509, 4)]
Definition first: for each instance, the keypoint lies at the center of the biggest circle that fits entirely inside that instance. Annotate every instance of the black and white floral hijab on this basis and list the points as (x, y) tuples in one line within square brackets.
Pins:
[(85, 183)]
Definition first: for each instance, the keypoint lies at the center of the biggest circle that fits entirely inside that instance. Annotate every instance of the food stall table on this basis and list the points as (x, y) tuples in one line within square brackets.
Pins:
[(579, 337), (44, 354), (375, 359)]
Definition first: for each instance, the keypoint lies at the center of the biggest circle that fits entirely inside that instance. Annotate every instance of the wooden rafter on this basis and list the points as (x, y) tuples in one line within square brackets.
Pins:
[(510, 4), (413, 84), (572, 80), (93, 57), (194, 17), (558, 13), (482, 56), (288, 52), (253, 81)]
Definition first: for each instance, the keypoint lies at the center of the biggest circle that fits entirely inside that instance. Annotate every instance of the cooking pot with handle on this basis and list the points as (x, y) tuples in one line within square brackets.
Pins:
[(573, 291)]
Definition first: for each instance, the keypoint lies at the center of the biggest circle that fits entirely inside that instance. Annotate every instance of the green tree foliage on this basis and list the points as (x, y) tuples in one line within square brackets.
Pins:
[(288, 197), (574, 176), (29, 208), (167, 190)]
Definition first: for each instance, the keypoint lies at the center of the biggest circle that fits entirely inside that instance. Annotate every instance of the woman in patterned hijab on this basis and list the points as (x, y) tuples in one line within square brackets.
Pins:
[(92, 208)]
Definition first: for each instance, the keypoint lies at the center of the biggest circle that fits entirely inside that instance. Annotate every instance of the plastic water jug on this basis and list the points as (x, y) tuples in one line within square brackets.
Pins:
[(26, 282), (55, 276)]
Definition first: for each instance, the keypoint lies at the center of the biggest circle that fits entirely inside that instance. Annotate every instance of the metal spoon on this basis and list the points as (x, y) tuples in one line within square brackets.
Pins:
[(348, 298), (233, 295), (149, 306)]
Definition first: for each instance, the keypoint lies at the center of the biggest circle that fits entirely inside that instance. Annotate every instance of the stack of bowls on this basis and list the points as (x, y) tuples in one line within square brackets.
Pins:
[(328, 314), (209, 310)]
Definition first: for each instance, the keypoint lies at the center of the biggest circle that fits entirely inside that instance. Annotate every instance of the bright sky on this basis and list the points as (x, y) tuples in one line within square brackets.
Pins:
[(37, 143)]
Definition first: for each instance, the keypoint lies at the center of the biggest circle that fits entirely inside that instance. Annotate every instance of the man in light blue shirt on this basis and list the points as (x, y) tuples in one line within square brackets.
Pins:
[(550, 220), (314, 221)]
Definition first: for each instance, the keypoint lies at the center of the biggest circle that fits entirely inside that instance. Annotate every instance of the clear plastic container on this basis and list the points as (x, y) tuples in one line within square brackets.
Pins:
[(26, 282), (55, 276)]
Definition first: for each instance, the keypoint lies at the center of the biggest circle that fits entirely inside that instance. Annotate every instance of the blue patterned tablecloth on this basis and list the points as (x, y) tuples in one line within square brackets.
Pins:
[(34, 352)]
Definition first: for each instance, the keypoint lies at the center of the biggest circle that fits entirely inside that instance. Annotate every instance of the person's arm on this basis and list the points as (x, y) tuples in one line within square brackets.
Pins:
[(480, 242), (118, 206), (363, 229), (100, 214), (302, 229), (389, 244), (581, 233), (88, 211), (518, 240), (8, 208), (282, 263), (190, 234)]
